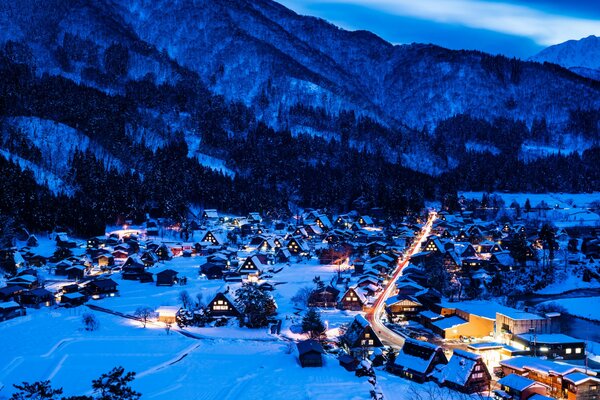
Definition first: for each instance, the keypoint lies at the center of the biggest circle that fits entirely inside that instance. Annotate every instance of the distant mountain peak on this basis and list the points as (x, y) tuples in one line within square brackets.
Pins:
[(583, 53)]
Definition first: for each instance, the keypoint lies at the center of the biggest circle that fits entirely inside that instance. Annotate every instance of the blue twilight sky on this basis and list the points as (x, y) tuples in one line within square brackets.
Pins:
[(518, 28)]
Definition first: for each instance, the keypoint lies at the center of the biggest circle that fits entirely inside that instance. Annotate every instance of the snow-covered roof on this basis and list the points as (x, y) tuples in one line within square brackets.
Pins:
[(579, 377), (516, 382), (488, 309), (550, 338), (430, 315), (542, 366), (9, 304), (408, 359), (449, 322), (459, 368)]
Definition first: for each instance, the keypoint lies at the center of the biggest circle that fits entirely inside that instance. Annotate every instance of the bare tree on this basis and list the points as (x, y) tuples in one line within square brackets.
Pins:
[(301, 297), (90, 322), (143, 314), (186, 300)]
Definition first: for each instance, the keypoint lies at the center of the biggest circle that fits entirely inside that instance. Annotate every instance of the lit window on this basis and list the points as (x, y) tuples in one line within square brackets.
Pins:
[(220, 308), (578, 350), (568, 351)]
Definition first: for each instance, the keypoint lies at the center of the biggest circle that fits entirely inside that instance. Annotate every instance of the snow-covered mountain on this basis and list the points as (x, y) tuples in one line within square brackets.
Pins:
[(581, 56), (270, 58)]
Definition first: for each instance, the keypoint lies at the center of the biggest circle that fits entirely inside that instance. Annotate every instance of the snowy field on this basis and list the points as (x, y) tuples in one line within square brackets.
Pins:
[(568, 209), (584, 307), (567, 283), (52, 345), (221, 363)]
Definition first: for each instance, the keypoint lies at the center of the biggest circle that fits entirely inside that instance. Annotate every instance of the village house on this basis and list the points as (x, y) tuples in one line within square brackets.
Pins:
[(554, 376), (167, 277), (222, 306), (212, 270), (324, 298), (72, 299), (403, 306), (37, 298), (251, 266), (354, 299), (465, 372), (167, 314), (551, 345), (11, 309), (516, 387), (100, 288), (360, 338), (310, 353), (417, 360), (210, 215)]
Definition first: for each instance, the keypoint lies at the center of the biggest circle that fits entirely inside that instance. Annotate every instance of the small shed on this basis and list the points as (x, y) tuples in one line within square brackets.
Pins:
[(168, 277), (167, 314), (310, 353)]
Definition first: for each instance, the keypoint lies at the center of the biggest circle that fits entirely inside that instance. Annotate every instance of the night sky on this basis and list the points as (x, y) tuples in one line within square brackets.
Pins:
[(515, 28)]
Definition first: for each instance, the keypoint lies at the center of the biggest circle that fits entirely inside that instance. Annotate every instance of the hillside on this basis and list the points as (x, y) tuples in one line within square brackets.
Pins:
[(116, 100)]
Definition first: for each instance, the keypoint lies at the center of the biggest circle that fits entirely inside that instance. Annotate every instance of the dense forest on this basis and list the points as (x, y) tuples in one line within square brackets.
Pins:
[(274, 170)]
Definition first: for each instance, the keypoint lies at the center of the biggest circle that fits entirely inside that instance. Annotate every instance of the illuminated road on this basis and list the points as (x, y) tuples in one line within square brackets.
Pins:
[(387, 336)]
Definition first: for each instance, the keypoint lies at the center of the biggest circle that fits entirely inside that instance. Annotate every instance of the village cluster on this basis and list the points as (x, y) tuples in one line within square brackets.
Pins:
[(434, 276)]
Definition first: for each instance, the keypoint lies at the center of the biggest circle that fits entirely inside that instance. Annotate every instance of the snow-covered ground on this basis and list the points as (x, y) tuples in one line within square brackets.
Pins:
[(226, 363), (567, 209), (567, 283), (584, 307)]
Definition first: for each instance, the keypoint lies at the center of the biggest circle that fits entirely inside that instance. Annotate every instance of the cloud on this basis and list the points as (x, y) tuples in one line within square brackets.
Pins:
[(544, 28)]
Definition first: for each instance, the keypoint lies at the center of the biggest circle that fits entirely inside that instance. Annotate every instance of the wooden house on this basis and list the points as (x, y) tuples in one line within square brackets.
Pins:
[(360, 336), (516, 387), (403, 306), (164, 253), (149, 258), (25, 281), (417, 360), (11, 309), (298, 247), (105, 260), (465, 372), (212, 270), (324, 223), (10, 293), (216, 239), (76, 272), (222, 306), (251, 266), (167, 314), (354, 299), (365, 220), (168, 277), (39, 297), (101, 288), (434, 245), (325, 298), (581, 386), (72, 299), (283, 255), (210, 215), (310, 353)]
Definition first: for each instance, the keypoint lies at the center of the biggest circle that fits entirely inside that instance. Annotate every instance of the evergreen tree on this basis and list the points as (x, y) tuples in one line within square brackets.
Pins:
[(36, 391), (114, 385), (256, 306), (313, 325)]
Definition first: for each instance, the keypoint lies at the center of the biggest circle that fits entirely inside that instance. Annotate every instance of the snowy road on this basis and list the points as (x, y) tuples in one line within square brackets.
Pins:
[(387, 336)]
